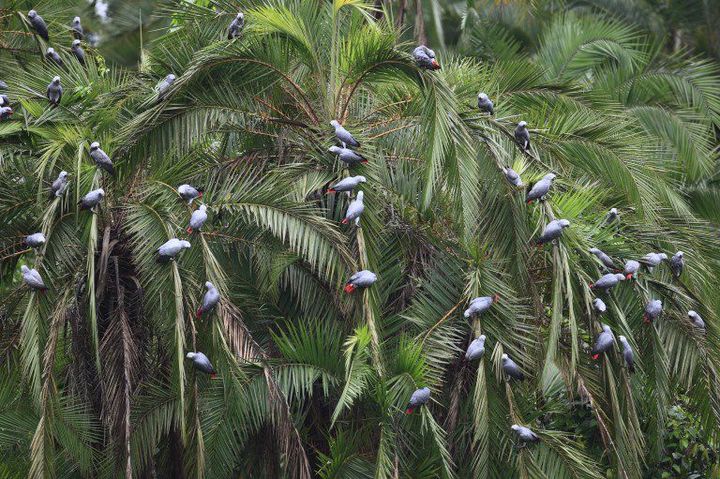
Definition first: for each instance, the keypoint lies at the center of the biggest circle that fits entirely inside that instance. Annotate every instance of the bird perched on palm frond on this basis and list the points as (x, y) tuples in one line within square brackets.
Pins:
[(511, 369), (476, 349), (525, 434), (361, 279), (512, 176), (522, 136), (653, 310), (197, 219), (677, 264), (210, 300), (92, 199), (54, 91), (101, 159), (60, 184), (163, 87), (170, 249), (78, 52), (418, 398), (604, 342), (346, 184), (628, 354), (53, 56), (607, 281), (631, 268), (604, 258), (202, 363), (552, 231), (355, 209), (485, 104), (480, 305), (425, 58), (35, 240), (344, 136), (541, 188), (77, 29), (38, 24), (189, 193), (236, 26), (32, 278)]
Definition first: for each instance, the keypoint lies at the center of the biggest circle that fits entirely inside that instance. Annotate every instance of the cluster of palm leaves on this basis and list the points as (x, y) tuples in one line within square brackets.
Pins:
[(312, 382)]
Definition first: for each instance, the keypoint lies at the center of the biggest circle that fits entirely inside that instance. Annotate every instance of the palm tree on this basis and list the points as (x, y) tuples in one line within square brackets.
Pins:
[(312, 382)]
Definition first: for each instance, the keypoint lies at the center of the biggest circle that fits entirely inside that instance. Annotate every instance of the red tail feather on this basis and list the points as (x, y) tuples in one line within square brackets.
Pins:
[(345, 221), (200, 193), (409, 410), (198, 313), (213, 375), (330, 191), (529, 202), (595, 356), (628, 276), (591, 286), (349, 288), (189, 230), (363, 161), (646, 320)]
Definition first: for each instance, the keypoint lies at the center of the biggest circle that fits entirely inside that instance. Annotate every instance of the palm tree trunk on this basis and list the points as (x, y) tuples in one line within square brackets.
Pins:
[(420, 34), (402, 6), (379, 9)]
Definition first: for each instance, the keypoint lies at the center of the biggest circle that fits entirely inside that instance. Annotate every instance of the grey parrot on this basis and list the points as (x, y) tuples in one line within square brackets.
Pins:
[(485, 104), (480, 305), (163, 87), (541, 188), (344, 136), (677, 263), (425, 58), (476, 348), (631, 268), (78, 52), (599, 306), (607, 281), (355, 209), (552, 231), (92, 199), (653, 310), (35, 240), (604, 342), (653, 259), (4, 100), (419, 397), (189, 193), (170, 249), (197, 219), (53, 56), (696, 320), (3, 85), (55, 91), (236, 26), (77, 29), (604, 259), (522, 136), (628, 354), (511, 369), (347, 184), (210, 300), (525, 434), (346, 155), (38, 24), (5, 112), (59, 185), (512, 176), (101, 159), (202, 363), (612, 216), (361, 279), (32, 278)]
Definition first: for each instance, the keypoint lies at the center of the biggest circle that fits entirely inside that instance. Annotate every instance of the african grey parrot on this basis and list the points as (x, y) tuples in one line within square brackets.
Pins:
[(480, 305), (77, 29), (631, 268), (522, 136), (163, 87), (525, 434), (38, 24), (476, 348), (604, 259), (628, 354), (612, 216), (552, 231), (418, 398), (346, 155), (355, 209), (485, 104), (677, 263), (696, 320), (607, 281), (5, 112), (189, 193), (599, 306), (653, 259), (512, 176), (3, 85), (511, 369), (54, 91), (236, 26), (78, 52), (32, 278), (653, 310), (347, 184), (197, 219), (53, 56), (101, 159), (170, 249), (210, 300), (425, 58), (361, 279), (4, 100), (604, 342), (343, 135), (541, 188), (35, 240), (59, 185), (92, 199), (202, 363)]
